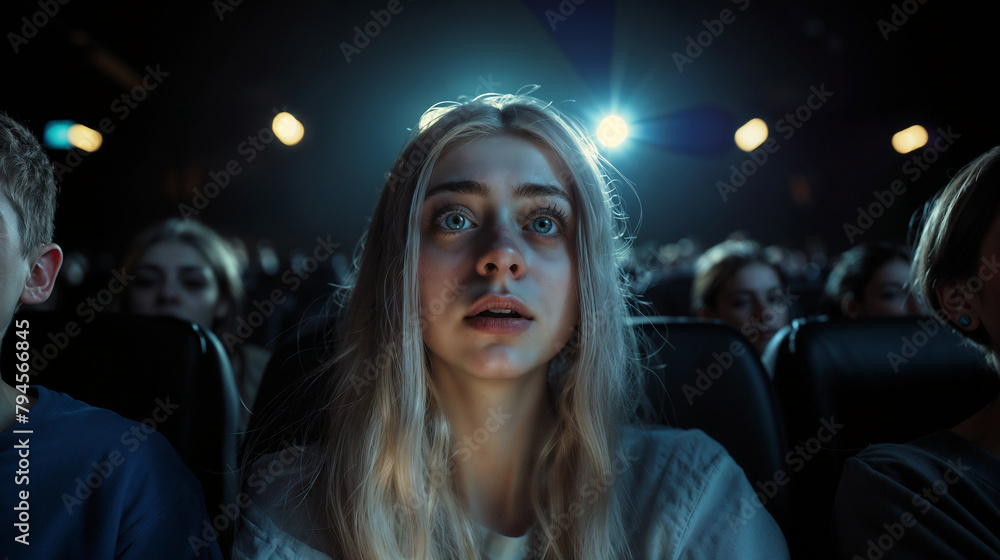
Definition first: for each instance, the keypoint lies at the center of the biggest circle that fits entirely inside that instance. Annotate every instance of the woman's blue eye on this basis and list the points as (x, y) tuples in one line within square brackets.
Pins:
[(543, 224), (454, 221)]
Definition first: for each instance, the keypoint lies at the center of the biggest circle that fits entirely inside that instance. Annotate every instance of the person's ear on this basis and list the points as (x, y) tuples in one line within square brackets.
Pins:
[(957, 303), (42, 275), (705, 312)]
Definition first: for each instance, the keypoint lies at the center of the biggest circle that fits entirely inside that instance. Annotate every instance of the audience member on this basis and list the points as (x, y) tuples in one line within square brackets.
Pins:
[(736, 284), (186, 270), (870, 280), (77, 483), (939, 496), (482, 390)]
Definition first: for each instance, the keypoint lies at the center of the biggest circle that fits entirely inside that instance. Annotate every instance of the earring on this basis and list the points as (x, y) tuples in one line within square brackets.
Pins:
[(965, 320)]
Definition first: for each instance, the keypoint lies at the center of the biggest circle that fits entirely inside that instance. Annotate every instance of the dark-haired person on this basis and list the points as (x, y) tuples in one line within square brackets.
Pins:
[(736, 284), (870, 280), (74, 483), (939, 496)]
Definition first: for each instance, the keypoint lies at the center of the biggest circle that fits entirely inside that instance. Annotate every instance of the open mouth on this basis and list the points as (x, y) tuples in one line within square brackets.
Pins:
[(498, 317), (503, 314), (499, 314)]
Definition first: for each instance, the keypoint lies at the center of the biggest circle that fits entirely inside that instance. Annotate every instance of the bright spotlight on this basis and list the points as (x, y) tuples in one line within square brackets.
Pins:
[(751, 135), (85, 138), (287, 128), (612, 131), (910, 139)]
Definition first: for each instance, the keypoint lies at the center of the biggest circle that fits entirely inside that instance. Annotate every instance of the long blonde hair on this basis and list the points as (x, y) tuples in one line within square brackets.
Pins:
[(387, 454)]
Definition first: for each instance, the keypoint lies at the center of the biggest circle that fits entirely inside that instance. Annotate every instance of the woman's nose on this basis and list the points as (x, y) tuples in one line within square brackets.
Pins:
[(502, 255), (167, 291)]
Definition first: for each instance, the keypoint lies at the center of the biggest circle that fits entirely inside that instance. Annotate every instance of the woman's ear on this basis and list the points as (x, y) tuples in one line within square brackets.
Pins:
[(957, 303), (42, 275), (704, 312)]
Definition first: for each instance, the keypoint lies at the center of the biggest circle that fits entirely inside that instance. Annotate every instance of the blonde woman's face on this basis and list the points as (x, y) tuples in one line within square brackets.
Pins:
[(497, 272), (173, 279)]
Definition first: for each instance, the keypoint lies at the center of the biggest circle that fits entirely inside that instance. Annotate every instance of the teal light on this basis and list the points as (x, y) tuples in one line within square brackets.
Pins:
[(56, 135)]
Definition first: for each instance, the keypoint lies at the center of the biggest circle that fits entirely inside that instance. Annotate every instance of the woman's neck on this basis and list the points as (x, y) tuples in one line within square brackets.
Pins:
[(497, 429)]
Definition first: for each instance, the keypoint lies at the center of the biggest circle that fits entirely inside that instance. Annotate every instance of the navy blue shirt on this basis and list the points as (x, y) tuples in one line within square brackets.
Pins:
[(82, 482), (936, 497)]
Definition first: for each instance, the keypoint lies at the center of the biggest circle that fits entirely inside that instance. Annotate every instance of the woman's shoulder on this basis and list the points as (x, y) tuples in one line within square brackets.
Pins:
[(660, 455), (280, 516), (660, 449), (683, 490)]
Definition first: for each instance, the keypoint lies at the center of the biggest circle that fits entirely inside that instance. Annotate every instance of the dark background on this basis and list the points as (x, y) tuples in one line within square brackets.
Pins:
[(229, 70)]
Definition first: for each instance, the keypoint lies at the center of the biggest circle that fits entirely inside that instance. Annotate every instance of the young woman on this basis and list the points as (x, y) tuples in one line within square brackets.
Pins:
[(939, 496), (870, 280), (736, 284), (186, 270), (482, 387)]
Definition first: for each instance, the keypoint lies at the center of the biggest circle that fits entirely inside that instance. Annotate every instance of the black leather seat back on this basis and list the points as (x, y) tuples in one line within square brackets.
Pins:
[(170, 374), (874, 380), (706, 375)]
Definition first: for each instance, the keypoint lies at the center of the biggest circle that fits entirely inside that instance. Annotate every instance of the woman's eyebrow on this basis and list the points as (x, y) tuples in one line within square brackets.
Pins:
[(535, 190), (525, 190), (459, 187), (148, 266), (200, 269)]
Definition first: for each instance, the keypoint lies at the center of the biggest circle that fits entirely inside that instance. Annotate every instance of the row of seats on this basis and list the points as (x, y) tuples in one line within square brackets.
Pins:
[(824, 390)]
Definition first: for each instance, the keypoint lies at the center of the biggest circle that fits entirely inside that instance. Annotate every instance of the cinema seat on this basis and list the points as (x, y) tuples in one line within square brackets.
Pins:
[(283, 407), (698, 375), (706, 375), (873, 381), (134, 365)]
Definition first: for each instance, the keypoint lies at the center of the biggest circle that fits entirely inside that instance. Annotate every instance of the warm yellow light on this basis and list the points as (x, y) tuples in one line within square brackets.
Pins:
[(751, 135), (85, 138), (612, 131), (287, 128), (906, 141)]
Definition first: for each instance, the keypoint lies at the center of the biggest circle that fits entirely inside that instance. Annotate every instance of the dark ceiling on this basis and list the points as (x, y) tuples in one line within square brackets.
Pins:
[(221, 71)]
